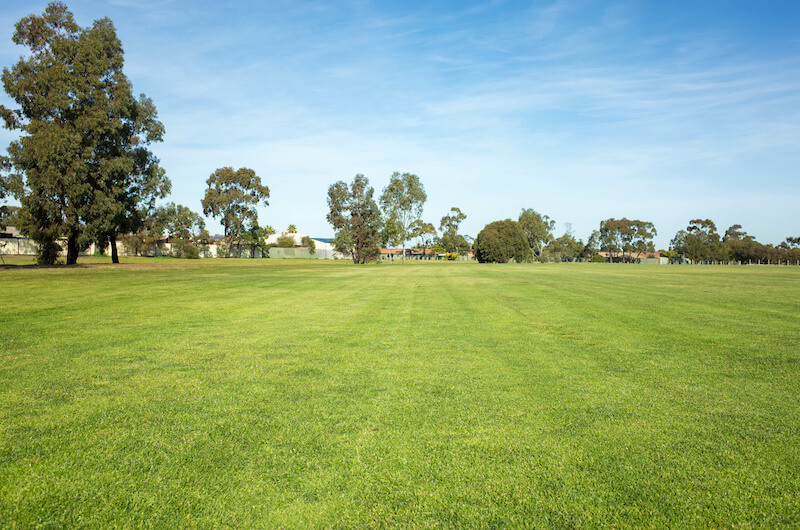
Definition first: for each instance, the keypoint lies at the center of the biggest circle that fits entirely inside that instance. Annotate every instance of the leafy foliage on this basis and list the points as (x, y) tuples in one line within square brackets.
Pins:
[(256, 238), (356, 218), (451, 240), (500, 242), (537, 229), (309, 243), (233, 197), (83, 171), (402, 201), (701, 242), (285, 242), (623, 237)]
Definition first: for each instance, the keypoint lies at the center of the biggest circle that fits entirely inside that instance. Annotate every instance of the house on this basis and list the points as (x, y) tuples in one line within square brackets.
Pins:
[(656, 257)]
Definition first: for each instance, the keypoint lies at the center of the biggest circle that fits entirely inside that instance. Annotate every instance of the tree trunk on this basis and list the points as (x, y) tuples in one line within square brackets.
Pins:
[(72, 249), (404, 252), (114, 255)]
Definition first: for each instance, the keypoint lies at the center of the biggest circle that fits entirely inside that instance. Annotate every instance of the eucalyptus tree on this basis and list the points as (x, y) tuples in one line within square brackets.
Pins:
[(356, 218), (402, 201), (537, 229), (626, 236), (233, 196), (81, 165), (450, 239), (426, 233)]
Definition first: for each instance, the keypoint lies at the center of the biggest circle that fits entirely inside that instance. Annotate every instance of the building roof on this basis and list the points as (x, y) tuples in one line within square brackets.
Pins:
[(634, 255), (409, 251)]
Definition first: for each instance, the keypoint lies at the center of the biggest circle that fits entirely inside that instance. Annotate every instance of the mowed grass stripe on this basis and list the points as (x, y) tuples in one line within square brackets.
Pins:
[(280, 393)]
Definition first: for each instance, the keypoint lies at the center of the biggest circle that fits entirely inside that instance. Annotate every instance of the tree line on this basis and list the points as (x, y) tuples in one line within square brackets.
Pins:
[(83, 173), (82, 168)]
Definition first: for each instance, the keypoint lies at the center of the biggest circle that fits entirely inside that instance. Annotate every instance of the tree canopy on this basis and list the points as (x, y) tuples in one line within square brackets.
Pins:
[(537, 229), (233, 196), (356, 218), (623, 237), (81, 166), (450, 239), (500, 242), (402, 201), (701, 242)]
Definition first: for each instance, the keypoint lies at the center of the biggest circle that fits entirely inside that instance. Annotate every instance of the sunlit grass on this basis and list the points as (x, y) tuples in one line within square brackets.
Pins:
[(286, 393)]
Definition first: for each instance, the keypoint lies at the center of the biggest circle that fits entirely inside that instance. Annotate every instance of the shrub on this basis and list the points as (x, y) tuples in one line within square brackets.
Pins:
[(597, 258), (308, 242), (500, 242), (183, 248), (286, 242)]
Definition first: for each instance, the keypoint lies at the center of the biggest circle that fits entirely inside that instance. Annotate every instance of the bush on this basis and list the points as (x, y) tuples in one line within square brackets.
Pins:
[(286, 242), (500, 242), (183, 248), (308, 242), (597, 258)]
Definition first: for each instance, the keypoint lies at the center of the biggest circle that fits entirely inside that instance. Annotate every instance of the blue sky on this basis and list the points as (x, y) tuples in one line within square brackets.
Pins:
[(662, 111)]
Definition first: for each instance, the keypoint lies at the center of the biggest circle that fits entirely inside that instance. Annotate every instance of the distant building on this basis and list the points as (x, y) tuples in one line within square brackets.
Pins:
[(322, 246)]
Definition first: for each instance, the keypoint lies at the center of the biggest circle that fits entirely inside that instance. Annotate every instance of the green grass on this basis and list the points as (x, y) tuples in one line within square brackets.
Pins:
[(302, 393)]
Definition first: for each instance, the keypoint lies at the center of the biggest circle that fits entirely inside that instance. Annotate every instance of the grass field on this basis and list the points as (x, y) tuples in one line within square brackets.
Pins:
[(303, 393)]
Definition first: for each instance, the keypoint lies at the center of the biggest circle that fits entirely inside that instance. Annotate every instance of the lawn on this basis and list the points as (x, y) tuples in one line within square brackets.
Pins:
[(303, 393)]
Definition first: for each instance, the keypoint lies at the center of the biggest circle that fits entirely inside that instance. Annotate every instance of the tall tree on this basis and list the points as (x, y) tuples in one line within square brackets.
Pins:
[(233, 197), (537, 229), (356, 218), (51, 157), (626, 236), (81, 163), (256, 238), (701, 242), (402, 201), (450, 239), (426, 233)]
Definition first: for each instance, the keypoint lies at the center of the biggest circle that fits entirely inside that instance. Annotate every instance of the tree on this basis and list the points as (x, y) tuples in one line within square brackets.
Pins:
[(150, 233), (565, 247), (129, 178), (426, 233), (501, 241), (626, 236), (449, 223), (5, 210), (233, 197), (450, 240), (402, 201), (292, 229), (390, 233), (537, 229), (82, 168), (256, 237), (592, 245), (701, 242), (356, 218), (286, 242), (309, 243)]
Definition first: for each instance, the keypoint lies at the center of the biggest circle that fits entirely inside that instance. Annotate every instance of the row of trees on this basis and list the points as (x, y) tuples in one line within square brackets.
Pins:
[(362, 227), (625, 240), (700, 241)]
